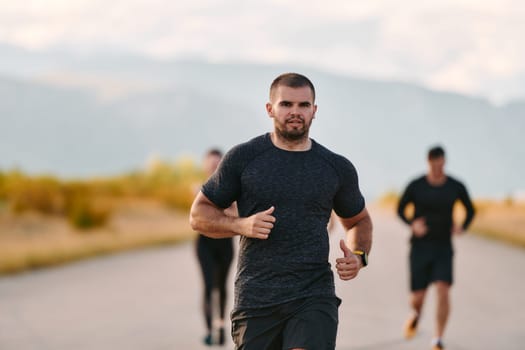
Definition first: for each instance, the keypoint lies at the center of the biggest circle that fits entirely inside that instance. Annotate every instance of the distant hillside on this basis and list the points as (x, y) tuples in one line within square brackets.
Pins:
[(385, 128), (69, 132)]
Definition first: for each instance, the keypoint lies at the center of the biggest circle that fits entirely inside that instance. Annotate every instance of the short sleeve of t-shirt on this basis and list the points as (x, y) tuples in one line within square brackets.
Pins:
[(348, 200), (224, 186)]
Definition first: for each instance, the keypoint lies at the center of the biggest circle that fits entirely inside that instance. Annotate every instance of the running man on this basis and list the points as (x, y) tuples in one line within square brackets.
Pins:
[(215, 257), (433, 196), (286, 185)]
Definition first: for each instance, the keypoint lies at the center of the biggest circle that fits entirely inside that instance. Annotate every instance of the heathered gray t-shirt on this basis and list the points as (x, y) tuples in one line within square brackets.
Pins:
[(303, 187)]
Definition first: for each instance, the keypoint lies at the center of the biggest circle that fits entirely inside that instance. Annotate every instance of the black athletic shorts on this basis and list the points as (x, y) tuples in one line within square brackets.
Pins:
[(430, 262), (309, 323)]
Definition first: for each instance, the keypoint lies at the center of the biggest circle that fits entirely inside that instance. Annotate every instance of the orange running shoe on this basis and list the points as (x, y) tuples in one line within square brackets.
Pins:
[(411, 326)]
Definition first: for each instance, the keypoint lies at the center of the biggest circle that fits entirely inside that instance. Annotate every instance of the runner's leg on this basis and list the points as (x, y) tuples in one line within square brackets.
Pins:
[(443, 307)]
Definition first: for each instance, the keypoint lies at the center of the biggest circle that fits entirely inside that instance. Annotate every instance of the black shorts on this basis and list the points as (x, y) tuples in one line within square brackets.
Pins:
[(309, 323), (430, 262)]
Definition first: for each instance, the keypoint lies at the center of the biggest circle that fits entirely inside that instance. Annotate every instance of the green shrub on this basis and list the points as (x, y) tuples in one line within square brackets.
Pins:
[(85, 214), (85, 206)]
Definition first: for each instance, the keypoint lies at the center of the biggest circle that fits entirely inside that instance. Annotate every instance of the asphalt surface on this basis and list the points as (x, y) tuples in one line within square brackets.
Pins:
[(150, 299)]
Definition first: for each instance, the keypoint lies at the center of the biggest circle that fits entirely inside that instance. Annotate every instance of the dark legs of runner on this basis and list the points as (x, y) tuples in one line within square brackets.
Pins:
[(215, 276), (222, 269), (207, 269), (215, 259)]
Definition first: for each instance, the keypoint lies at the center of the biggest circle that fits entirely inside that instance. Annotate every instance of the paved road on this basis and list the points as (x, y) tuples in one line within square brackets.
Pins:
[(150, 300)]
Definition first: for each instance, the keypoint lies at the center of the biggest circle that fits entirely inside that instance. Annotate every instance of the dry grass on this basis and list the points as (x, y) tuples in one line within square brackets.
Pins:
[(33, 240), (47, 221), (88, 203), (501, 220)]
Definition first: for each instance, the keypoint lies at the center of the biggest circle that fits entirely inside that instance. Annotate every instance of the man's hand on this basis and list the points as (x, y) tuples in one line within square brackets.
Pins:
[(349, 266), (259, 225), (419, 227)]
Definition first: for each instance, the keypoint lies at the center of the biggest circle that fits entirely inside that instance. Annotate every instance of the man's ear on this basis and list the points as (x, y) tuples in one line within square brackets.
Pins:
[(269, 109)]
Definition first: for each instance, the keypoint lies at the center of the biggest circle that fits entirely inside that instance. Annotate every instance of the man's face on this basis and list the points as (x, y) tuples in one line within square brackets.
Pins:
[(292, 110), (437, 165)]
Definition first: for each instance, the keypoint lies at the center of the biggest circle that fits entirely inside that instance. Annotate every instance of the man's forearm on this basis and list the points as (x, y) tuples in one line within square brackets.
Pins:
[(360, 236), (469, 216), (401, 213), (213, 222)]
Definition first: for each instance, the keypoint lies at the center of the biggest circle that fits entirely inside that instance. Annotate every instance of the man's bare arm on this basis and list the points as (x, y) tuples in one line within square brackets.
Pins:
[(214, 222), (359, 231), (359, 236)]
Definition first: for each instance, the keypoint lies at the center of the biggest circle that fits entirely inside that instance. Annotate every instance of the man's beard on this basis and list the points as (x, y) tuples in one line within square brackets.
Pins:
[(294, 134)]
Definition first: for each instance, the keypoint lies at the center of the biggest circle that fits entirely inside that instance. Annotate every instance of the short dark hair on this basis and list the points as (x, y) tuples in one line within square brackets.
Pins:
[(293, 80), (436, 152), (214, 152)]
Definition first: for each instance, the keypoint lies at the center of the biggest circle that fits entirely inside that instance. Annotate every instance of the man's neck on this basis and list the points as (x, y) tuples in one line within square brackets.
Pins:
[(436, 179), (303, 144)]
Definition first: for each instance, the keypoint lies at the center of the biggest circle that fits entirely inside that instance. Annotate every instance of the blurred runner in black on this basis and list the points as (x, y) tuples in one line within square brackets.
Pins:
[(286, 186), (215, 257), (433, 196)]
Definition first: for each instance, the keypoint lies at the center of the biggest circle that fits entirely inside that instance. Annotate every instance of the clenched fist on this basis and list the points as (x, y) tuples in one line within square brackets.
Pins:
[(259, 225), (347, 267)]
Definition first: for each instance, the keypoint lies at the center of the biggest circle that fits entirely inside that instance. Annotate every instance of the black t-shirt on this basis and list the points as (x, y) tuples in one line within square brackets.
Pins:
[(303, 187), (435, 204)]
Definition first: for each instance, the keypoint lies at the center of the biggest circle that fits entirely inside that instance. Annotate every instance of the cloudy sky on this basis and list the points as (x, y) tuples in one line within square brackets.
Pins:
[(468, 46)]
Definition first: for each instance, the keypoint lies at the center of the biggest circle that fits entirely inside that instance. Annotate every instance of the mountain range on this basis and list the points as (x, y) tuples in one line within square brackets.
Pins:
[(77, 115)]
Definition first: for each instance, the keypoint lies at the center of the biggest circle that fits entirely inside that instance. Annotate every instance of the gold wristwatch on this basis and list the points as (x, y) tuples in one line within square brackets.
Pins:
[(363, 255)]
